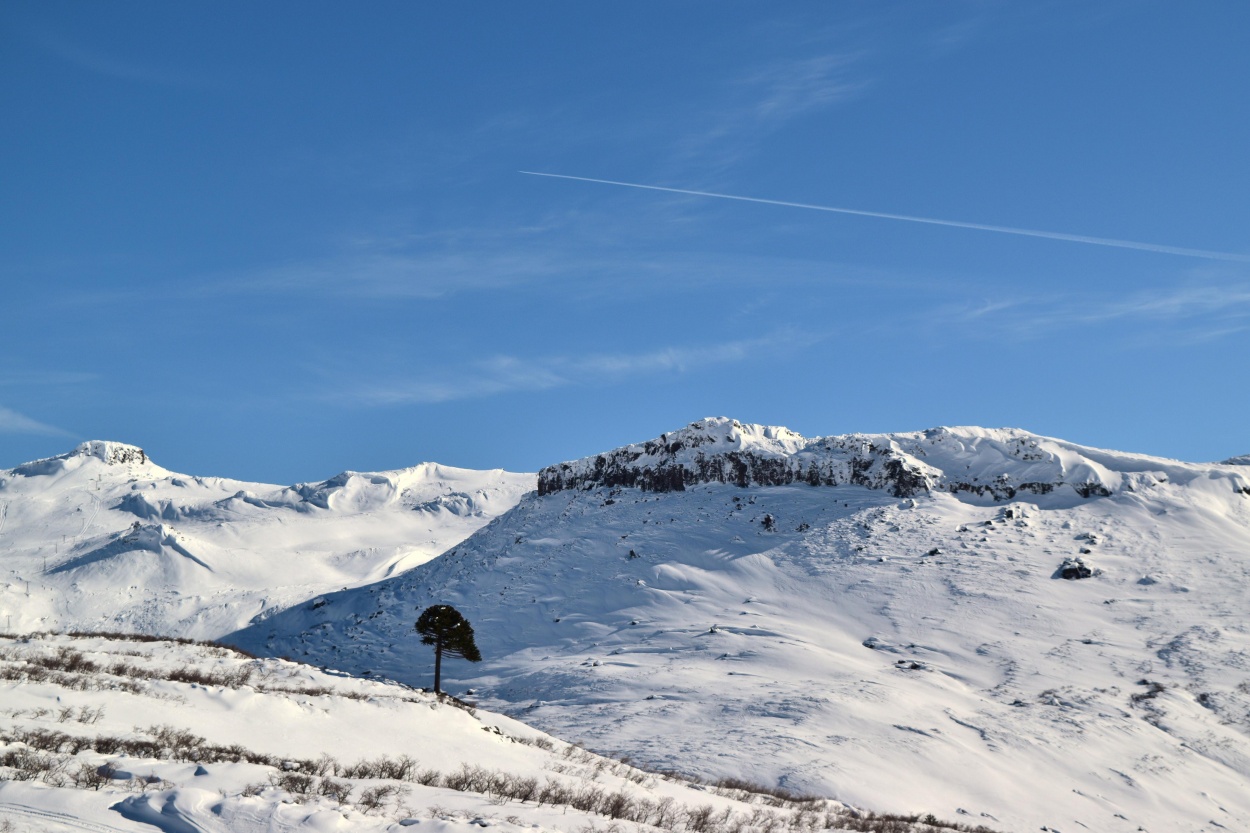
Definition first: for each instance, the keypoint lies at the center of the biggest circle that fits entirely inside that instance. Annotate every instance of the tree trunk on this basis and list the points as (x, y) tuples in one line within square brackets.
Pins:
[(438, 665)]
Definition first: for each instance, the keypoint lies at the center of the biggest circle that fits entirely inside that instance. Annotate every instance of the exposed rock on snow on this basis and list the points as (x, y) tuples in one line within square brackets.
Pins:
[(639, 605), (989, 687), (1075, 568), (994, 464)]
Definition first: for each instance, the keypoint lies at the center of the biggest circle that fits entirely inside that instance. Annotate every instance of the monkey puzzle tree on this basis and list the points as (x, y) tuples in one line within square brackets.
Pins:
[(450, 633)]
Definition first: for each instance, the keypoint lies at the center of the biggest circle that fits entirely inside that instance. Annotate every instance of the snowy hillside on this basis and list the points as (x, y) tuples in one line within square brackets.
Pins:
[(102, 537), (104, 734), (898, 635)]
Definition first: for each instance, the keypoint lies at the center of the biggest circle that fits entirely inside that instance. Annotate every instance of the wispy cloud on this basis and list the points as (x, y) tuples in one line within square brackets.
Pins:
[(764, 100), (11, 422), (788, 89), (1206, 312), (577, 264), (392, 275), (506, 374)]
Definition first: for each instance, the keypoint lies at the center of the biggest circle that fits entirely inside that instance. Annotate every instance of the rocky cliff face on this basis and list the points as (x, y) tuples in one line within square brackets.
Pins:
[(977, 463), (726, 451)]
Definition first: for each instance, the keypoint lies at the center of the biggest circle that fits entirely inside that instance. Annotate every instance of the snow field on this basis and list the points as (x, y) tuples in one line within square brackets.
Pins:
[(107, 733), (102, 538), (898, 637), (915, 654)]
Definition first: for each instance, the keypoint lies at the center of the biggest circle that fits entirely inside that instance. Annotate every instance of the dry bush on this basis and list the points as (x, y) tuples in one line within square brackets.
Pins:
[(699, 819), (555, 793), (339, 791), (402, 768), (296, 783), (30, 764), (219, 648), (375, 798), (429, 778), (88, 777)]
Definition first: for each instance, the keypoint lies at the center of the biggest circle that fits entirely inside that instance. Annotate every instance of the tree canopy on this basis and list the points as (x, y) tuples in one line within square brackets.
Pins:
[(450, 633)]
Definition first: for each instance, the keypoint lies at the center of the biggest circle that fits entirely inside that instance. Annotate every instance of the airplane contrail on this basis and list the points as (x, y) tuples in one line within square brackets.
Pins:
[(1048, 235)]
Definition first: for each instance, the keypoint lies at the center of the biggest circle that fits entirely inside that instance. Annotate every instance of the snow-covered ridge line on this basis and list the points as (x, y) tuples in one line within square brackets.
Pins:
[(102, 537), (998, 464), (107, 452)]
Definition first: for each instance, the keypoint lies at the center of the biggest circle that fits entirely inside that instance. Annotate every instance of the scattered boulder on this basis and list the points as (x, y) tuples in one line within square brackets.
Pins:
[(1075, 568)]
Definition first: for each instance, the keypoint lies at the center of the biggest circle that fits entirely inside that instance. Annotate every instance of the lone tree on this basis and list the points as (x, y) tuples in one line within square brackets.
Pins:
[(450, 633)]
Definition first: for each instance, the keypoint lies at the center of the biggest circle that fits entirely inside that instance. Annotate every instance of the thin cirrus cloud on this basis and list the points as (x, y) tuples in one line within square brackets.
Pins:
[(789, 89), (11, 422), (582, 268), (763, 101), (509, 374), (1210, 312), (391, 275)]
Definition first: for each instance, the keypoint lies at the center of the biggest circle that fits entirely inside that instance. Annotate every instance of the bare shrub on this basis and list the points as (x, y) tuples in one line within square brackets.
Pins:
[(402, 768), (296, 783), (524, 788), (324, 765), (89, 715), (88, 777), (699, 819), (553, 792), (617, 805), (338, 791), (29, 764), (235, 678), (589, 799), (467, 779), (375, 798), (663, 813), (429, 778)]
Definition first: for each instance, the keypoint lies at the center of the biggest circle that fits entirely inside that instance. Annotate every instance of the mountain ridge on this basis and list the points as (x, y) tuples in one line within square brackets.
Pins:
[(849, 641), (719, 449), (101, 537)]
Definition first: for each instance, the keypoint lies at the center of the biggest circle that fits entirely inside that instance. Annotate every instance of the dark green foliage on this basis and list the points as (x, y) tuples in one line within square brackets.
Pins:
[(450, 633)]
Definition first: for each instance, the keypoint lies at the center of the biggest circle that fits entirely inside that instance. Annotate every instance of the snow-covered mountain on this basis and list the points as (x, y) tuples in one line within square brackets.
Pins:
[(880, 618), (117, 735), (103, 538)]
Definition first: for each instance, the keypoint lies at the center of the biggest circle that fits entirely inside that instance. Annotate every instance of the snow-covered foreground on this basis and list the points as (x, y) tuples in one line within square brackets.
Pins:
[(104, 734), (896, 634), (102, 538)]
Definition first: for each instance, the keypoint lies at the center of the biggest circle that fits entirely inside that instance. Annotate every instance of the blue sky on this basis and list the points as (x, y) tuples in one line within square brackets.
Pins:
[(276, 241)]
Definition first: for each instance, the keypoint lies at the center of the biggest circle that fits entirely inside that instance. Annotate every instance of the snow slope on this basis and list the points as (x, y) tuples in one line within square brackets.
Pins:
[(102, 537), (896, 635), (105, 734)]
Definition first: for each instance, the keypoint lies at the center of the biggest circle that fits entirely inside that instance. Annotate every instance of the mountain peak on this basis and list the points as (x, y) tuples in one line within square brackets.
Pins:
[(112, 453), (981, 464)]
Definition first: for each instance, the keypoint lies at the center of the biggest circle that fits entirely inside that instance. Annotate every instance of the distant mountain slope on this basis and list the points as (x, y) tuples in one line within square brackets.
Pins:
[(898, 633), (102, 537)]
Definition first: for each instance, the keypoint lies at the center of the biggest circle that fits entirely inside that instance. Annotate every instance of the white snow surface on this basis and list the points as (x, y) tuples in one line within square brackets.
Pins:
[(244, 749), (102, 538), (911, 649), (897, 636)]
